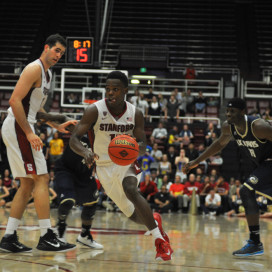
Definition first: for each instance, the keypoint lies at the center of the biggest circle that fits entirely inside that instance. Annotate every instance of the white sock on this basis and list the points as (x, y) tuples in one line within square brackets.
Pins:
[(156, 233), (12, 225), (44, 225)]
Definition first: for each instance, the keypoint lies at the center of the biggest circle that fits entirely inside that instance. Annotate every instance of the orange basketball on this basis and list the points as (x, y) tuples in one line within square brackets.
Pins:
[(123, 150)]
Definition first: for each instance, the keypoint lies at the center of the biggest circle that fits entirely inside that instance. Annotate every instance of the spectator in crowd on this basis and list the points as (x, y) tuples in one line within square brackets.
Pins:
[(201, 149), (212, 203), (212, 101), (200, 102), (209, 130), (185, 135), (166, 182), (190, 107), (135, 97), (177, 94), (148, 188), (4, 193), (154, 108), (222, 188), (215, 160), (56, 146), (171, 157), (189, 187), (156, 153), (162, 101), (172, 109), (180, 161), (164, 166), (72, 99), (173, 138), (204, 189), (267, 114), (142, 104), (213, 174), (145, 162), (159, 134), (191, 153), (176, 192), (149, 96), (162, 201), (154, 177), (182, 104), (39, 127), (190, 72), (235, 198)]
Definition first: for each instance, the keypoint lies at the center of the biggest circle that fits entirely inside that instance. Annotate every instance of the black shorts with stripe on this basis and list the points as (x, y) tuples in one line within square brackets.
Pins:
[(81, 188), (260, 179)]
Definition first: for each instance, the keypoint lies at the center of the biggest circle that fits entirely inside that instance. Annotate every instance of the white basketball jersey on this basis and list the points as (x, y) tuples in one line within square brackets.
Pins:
[(36, 97), (109, 126)]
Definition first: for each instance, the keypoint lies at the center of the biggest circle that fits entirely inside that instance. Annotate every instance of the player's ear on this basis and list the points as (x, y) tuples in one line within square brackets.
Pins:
[(126, 90)]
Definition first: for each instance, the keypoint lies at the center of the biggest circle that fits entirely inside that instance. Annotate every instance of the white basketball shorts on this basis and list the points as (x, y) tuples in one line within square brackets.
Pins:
[(23, 160)]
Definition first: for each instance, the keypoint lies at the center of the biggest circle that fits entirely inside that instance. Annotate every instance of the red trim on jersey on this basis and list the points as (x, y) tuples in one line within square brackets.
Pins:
[(26, 101), (116, 116), (46, 72), (26, 150)]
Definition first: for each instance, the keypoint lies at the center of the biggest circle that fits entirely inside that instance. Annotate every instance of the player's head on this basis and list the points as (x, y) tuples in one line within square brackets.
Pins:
[(116, 88), (235, 110), (52, 40), (54, 49)]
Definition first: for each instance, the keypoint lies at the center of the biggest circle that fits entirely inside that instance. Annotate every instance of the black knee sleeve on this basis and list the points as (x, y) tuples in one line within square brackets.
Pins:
[(88, 212), (64, 208), (249, 200)]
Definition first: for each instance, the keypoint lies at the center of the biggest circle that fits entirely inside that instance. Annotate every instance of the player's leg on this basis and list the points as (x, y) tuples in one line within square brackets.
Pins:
[(48, 240), (9, 242), (259, 181), (143, 215), (87, 216)]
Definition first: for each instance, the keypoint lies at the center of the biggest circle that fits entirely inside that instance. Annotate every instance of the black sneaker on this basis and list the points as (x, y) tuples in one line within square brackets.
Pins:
[(10, 243), (50, 242), (250, 249)]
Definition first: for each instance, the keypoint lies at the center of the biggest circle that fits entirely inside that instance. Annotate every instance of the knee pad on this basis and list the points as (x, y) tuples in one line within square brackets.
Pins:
[(249, 200), (64, 208), (88, 212)]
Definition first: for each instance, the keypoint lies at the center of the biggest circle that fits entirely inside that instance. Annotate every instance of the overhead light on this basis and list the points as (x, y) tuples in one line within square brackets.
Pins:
[(135, 81), (143, 77)]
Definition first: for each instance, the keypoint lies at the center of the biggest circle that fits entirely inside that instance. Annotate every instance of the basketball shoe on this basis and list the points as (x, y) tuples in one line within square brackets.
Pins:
[(164, 251), (11, 243), (158, 219), (50, 242), (250, 249), (88, 241)]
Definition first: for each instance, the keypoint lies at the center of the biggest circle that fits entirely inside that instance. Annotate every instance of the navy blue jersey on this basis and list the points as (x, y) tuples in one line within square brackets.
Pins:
[(72, 162), (256, 150)]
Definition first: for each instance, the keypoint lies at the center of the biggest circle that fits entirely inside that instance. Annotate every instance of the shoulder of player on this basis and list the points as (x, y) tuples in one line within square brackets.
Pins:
[(262, 128), (32, 70)]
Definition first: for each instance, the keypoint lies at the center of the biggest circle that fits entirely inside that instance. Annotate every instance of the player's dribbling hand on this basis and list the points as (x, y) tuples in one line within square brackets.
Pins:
[(90, 158), (35, 141)]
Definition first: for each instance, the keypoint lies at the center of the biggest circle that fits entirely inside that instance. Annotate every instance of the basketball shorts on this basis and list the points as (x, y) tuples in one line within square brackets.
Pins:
[(81, 188), (111, 177), (23, 160), (260, 180)]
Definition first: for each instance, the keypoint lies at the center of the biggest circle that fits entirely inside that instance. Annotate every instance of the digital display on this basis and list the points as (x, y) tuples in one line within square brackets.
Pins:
[(79, 50)]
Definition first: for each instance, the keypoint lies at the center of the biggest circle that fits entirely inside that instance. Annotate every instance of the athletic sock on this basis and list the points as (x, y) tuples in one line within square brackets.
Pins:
[(12, 226), (156, 233), (85, 230), (255, 234), (44, 225)]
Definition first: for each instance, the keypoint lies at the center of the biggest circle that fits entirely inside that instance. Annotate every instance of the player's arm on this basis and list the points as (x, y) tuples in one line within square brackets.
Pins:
[(61, 122), (214, 148), (139, 132), (87, 121), (29, 79), (262, 129)]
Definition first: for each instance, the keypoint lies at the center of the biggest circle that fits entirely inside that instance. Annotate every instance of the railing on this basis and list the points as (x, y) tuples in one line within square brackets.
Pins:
[(257, 89)]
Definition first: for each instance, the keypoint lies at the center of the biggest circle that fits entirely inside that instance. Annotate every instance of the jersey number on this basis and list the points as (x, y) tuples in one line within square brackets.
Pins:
[(252, 153)]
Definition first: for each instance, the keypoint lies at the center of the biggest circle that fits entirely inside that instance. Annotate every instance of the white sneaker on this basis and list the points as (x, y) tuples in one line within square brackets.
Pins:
[(88, 241)]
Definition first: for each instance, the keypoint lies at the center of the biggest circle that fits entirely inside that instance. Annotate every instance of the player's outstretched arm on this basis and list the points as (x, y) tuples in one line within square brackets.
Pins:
[(139, 132), (87, 121), (263, 129), (214, 148)]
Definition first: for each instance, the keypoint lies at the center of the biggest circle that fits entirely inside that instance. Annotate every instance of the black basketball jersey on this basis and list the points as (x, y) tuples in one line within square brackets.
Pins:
[(73, 162), (256, 150)]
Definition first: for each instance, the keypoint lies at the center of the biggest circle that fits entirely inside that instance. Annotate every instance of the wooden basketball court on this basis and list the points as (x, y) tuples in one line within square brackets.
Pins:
[(200, 243)]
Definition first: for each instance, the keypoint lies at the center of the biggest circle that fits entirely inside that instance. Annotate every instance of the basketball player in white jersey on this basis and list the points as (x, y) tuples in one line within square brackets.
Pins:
[(106, 119), (24, 148)]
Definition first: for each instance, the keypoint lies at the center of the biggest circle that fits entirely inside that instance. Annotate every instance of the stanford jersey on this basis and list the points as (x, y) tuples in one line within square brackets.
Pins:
[(36, 97), (109, 126)]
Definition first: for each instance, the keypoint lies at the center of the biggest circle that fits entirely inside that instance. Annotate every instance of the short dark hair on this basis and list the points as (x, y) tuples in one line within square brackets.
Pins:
[(118, 75), (237, 103), (54, 38)]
